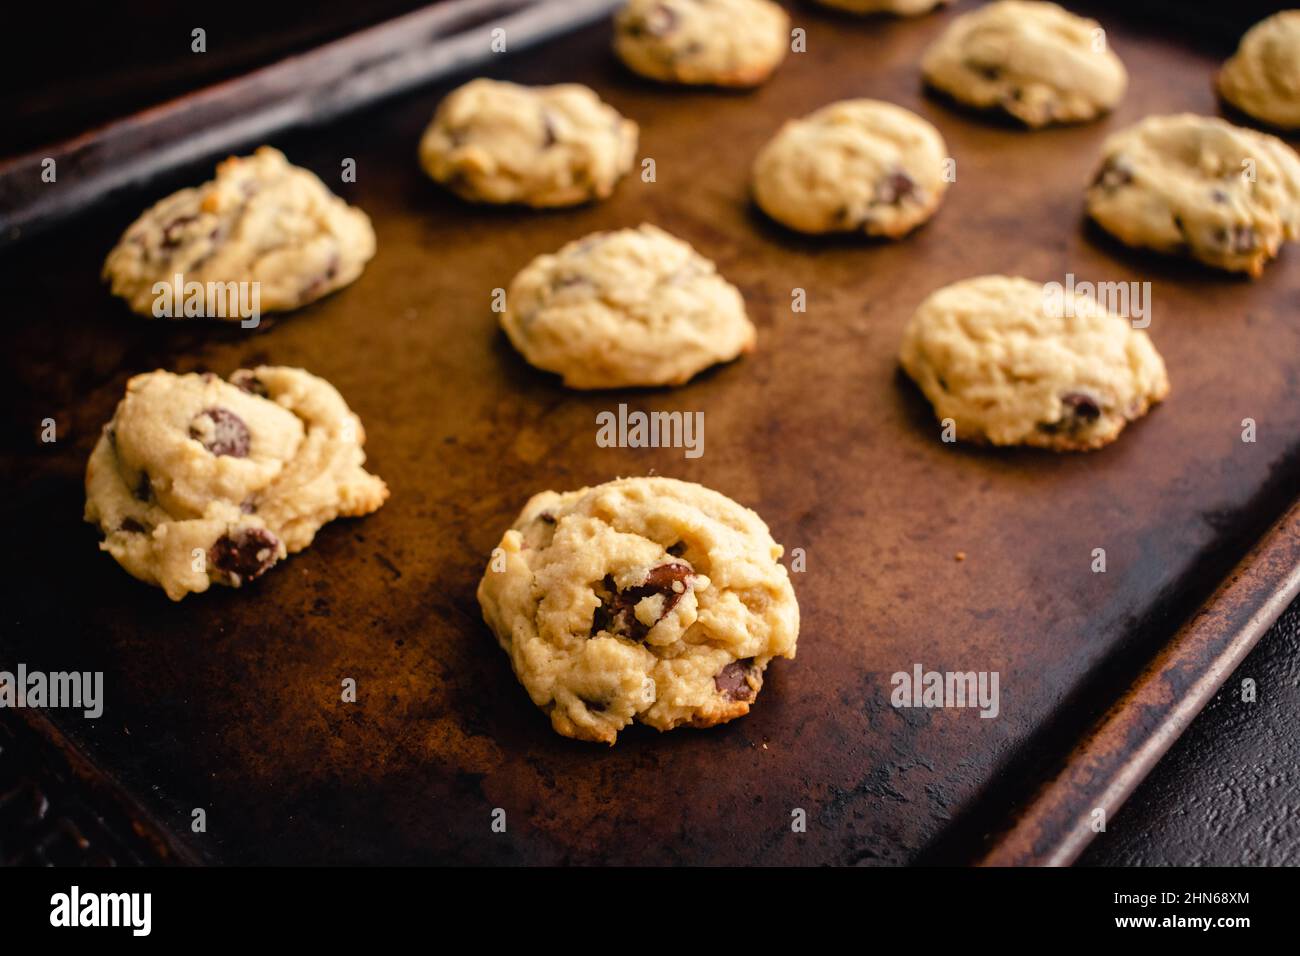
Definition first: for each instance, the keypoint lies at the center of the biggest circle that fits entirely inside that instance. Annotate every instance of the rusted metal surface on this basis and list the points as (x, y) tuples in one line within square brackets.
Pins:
[(230, 701)]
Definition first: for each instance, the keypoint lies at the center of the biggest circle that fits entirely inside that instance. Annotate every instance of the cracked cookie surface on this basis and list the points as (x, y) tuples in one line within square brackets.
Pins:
[(1262, 79), (902, 8), (710, 42), (627, 307), (540, 146), (1199, 186), (260, 220), (853, 166), (1011, 365), (643, 599), (198, 480), (1032, 60)]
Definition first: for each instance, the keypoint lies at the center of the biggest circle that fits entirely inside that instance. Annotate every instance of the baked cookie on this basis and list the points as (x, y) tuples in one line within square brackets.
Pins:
[(198, 480), (1199, 186), (1263, 77), (902, 8), (642, 599), (536, 145), (260, 221), (711, 42), (629, 307), (1012, 364), (853, 166), (1035, 61)]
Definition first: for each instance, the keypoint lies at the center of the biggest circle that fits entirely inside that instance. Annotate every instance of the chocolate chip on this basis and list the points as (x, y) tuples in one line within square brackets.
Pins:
[(1219, 196), (247, 380), (132, 526), (1082, 406), (221, 431), (896, 187), (986, 70), (248, 506), (1113, 174), (678, 549), (546, 518), (144, 487), (617, 611), (245, 554), (549, 137), (171, 233), (595, 706), (732, 681)]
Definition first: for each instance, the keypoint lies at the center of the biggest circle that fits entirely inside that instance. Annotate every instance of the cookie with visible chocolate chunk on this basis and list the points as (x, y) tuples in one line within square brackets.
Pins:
[(709, 42), (646, 600), (626, 307), (1262, 79), (198, 480), (1199, 186), (261, 220), (1031, 60), (853, 166), (1012, 362), (540, 146)]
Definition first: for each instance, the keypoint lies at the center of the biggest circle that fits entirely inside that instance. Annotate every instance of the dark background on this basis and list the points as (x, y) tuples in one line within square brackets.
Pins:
[(1227, 793)]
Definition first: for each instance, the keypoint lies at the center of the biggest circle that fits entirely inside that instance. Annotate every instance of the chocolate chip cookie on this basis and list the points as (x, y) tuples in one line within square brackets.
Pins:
[(902, 8), (1034, 61), (1011, 362), (643, 599), (197, 479), (1199, 186), (853, 166), (1263, 78), (540, 146), (260, 222), (711, 42), (628, 307)]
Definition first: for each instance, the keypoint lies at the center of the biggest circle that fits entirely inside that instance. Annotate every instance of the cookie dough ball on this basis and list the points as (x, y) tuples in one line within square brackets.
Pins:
[(197, 480), (713, 42), (642, 599), (1035, 61), (541, 146), (1013, 362), (1198, 186), (853, 166), (902, 8), (1263, 78), (260, 221), (629, 307)]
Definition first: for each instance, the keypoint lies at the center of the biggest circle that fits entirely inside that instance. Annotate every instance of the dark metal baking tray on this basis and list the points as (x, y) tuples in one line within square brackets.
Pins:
[(230, 701)]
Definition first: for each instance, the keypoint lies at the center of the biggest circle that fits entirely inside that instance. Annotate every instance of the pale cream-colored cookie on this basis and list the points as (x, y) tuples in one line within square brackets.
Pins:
[(197, 479), (642, 599), (1035, 61), (628, 307), (1199, 186), (712, 42), (1263, 78), (1013, 362), (540, 146), (902, 8), (260, 221), (853, 166)]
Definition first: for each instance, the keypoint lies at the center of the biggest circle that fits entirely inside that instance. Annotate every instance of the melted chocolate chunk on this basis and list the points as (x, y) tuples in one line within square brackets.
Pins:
[(732, 681), (247, 380), (246, 554), (132, 526), (1113, 174), (1081, 410), (678, 549), (895, 187), (144, 487), (617, 611), (221, 431)]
